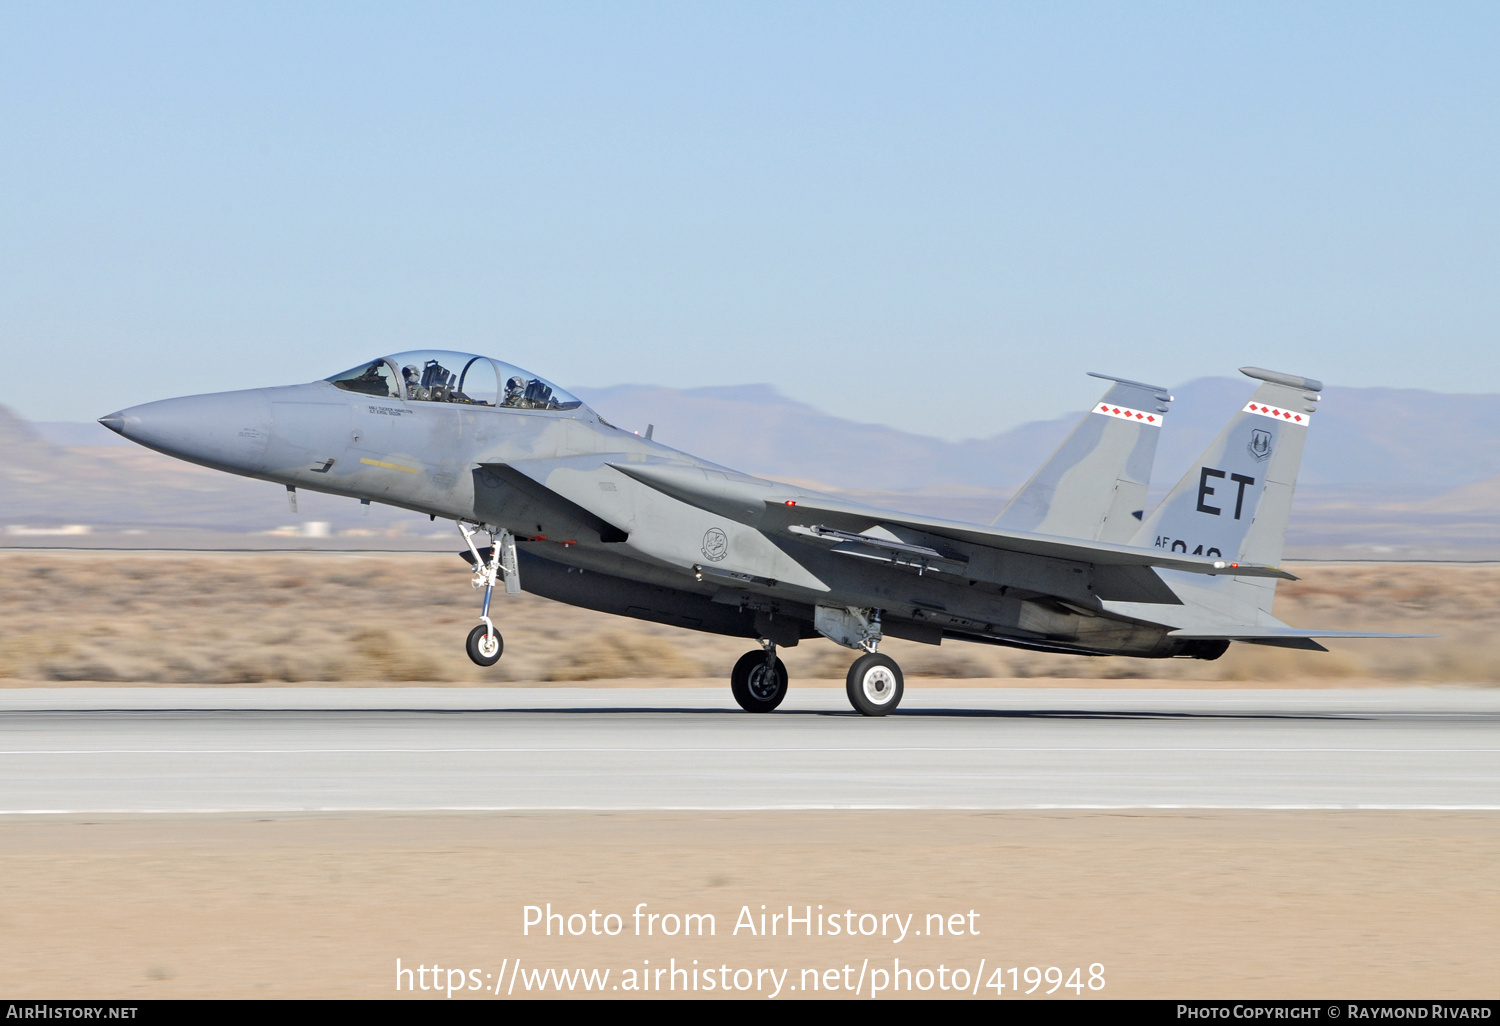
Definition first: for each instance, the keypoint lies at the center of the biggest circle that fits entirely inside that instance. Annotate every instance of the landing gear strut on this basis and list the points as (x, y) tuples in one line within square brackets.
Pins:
[(759, 680), (498, 560), (874, 684)]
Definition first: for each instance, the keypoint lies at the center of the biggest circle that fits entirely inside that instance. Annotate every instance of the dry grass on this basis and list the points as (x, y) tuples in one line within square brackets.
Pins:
[(231, 618)]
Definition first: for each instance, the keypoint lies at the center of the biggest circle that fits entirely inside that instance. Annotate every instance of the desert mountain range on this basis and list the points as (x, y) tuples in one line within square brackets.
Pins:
[(1387, 472)]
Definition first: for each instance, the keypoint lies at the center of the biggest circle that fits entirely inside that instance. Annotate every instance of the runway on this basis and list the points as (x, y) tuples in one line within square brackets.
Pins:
[(186, 750)]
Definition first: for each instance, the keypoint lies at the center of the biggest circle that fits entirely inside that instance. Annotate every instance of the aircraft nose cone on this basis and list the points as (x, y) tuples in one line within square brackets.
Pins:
[(224, 430)]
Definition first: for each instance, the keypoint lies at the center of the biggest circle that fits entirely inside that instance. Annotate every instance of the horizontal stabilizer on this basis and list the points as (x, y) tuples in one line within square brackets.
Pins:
[(1283, 637), (1265, 634)]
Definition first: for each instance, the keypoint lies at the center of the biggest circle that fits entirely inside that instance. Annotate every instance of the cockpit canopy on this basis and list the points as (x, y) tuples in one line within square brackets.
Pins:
[(437, 376)]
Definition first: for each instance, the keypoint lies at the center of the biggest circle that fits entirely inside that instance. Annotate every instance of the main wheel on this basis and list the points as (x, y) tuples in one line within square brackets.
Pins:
[(484, 647), (755, 688), (874, 684)]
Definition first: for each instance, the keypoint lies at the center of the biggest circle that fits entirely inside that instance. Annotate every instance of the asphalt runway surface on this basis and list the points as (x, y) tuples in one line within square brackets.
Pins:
[(131, 750)]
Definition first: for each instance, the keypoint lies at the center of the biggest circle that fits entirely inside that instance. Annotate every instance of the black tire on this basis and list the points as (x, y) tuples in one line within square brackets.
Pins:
[(476, 639), (750, 686), (874, 685)]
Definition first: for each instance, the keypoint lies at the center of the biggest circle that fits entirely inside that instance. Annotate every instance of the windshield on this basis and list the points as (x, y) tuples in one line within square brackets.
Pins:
[(375, 378), (439, 376)]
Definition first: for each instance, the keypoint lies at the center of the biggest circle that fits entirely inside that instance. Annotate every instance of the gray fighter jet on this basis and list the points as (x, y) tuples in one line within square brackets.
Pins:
[(578, 510)]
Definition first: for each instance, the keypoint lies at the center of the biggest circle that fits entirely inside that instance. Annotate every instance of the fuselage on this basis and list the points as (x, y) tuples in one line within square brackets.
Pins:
[(609, 520)]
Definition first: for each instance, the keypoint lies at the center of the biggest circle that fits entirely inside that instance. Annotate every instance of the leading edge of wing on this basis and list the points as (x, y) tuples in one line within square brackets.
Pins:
[(795, 509)]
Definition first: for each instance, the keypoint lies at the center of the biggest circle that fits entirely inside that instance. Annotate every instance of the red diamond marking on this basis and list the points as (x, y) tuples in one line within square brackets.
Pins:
[(1151, 418), (1298, 417)]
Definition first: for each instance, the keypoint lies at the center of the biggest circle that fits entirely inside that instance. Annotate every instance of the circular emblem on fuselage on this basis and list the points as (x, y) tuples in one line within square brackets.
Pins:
[(715, 545)]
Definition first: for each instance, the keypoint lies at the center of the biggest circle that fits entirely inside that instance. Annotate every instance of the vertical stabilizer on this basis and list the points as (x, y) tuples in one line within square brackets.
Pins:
[(1094, 486), (1234, 503)]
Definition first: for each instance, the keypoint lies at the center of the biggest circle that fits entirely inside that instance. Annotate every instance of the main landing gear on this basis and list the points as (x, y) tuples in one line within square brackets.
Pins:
[(759, 680), (492, 563), (874, 684)]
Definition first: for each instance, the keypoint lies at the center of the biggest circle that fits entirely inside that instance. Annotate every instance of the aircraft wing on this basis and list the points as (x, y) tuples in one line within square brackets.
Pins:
[(775, 508), (811, 513)]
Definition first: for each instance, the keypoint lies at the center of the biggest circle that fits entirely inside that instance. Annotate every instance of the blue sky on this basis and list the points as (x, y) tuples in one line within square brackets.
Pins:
[(931, 217)]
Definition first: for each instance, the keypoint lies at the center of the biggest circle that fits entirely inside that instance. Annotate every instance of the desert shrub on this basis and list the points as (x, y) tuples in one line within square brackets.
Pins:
[(615, 654)]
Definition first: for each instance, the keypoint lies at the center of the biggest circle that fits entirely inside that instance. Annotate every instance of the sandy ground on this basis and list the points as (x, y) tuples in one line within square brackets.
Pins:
[(243, 618), (1269, 905)]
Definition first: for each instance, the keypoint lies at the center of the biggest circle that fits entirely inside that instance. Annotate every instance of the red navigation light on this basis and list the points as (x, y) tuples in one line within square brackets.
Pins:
[(791, 502)]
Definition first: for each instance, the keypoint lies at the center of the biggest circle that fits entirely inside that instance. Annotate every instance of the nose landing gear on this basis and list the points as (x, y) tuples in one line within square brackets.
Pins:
[(498, 560)]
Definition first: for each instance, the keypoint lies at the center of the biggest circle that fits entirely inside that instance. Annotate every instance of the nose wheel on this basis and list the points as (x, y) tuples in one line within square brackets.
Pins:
[(874, 684), (485, 645), (759, 681)]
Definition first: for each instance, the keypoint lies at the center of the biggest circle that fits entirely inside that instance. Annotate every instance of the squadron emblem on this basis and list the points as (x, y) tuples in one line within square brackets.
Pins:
[(1260, 444), (715, 545)]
